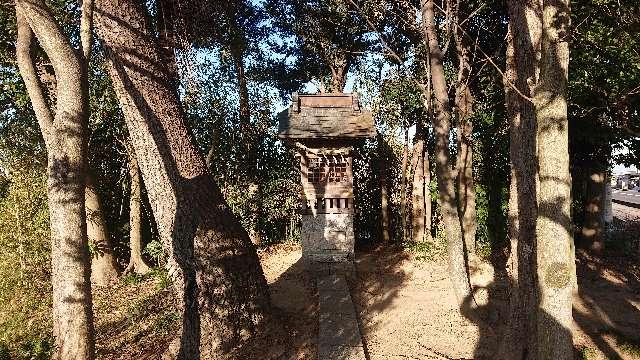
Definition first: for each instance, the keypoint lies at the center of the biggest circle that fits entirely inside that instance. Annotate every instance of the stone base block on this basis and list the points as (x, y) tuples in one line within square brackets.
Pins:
[(327, 237)]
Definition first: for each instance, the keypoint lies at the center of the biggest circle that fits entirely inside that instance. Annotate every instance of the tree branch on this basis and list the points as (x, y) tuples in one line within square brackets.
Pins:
[(373, 28), (30, 77), (86, 37)]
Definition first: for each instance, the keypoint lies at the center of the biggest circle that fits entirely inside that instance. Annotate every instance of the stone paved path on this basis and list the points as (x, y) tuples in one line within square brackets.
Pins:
[(339, 336)]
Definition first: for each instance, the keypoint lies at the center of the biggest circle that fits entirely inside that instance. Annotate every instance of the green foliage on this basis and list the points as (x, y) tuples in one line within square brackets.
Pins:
[(428, 251), (36, 349), (629, 346), (25, 264), (156, 252), (586, 353), (166, 323), (162, 278)]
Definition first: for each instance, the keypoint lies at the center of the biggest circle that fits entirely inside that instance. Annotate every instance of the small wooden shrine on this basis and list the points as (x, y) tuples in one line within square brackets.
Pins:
[(323, 129)]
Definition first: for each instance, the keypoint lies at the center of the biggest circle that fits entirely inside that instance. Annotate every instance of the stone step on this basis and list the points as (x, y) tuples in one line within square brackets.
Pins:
[(339, 336)]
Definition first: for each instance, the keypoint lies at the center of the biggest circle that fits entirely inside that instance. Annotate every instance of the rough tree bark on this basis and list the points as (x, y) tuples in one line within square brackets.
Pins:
[(339, 66), (556, 254), (593, 228), (222, 293), (446, 191), (103, 262), (136, 262), (65, 137), (464, 106), (523, 44)]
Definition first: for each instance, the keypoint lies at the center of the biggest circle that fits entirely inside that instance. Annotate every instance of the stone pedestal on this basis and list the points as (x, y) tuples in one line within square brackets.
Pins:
[(327, 237)]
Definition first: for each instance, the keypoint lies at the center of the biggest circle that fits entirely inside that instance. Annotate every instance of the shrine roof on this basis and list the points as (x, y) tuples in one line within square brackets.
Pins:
[(325, 116)]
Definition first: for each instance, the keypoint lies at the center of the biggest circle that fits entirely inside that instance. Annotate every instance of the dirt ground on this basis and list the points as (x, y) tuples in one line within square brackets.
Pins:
[(407, 308)]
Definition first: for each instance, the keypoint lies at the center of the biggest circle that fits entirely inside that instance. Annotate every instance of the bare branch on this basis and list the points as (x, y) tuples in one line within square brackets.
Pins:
[(373, 28)]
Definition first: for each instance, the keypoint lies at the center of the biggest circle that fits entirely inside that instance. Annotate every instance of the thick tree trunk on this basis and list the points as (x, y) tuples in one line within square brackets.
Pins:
[(446, 191), (65, 139), (556, 253), (222, 293), (593, 227), (339, 69), (523, 41), (103, 262), (136, 262)]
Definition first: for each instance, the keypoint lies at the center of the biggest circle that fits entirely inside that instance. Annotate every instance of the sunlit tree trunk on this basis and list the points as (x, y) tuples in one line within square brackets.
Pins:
[(65, 136), (446, 191), (136, 262), (523, 43), (222, 294), (556, 254), (103, 262)]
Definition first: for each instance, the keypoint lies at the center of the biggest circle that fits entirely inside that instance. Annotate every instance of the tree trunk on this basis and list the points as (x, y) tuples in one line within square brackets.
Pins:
[(403, 186), (446, 191), (384, 209), (65, 138), (464, 106), (427, 193), (523, 41), (103, 263), (339, 70), (136, 262), (556, 254), (466, 185), (384, 197), (418, 185), (222, 294), (593, 228)]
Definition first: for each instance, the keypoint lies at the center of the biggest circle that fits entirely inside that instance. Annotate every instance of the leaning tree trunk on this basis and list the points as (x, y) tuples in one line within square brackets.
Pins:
[(103, 262), (523, 42), (556, 254), (136, 262), (65, 137), (222, 293), (446, 191)]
